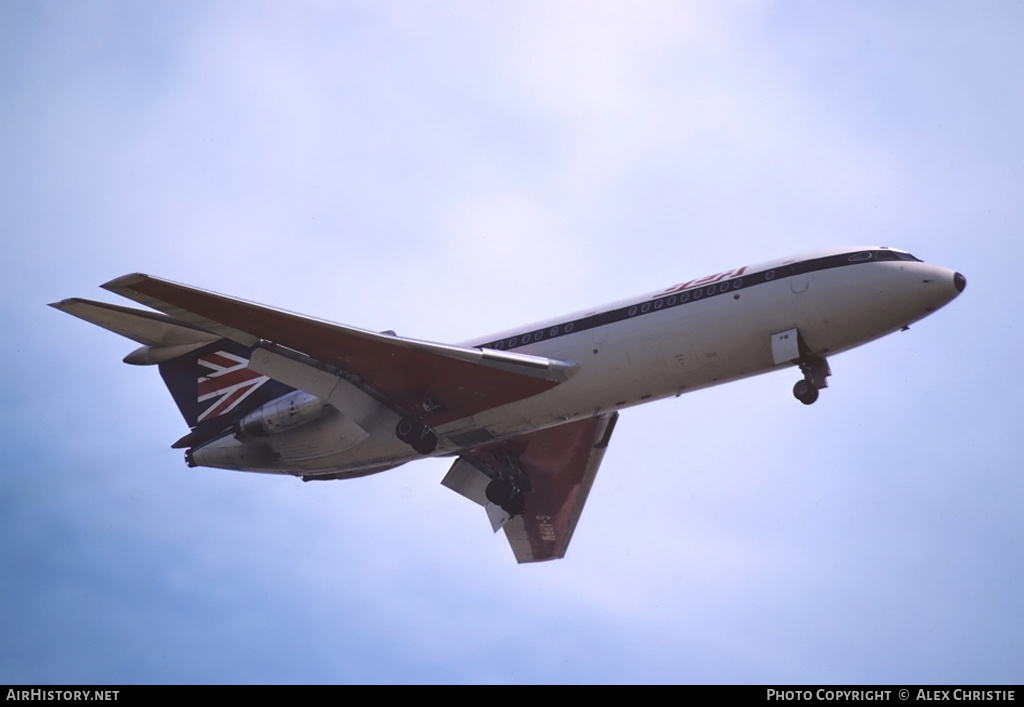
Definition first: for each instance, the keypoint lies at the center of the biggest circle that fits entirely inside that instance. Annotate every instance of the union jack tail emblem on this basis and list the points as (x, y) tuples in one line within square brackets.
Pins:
[(228, 384)]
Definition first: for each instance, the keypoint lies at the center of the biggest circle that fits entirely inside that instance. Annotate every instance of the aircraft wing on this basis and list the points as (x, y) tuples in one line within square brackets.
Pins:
[(560, 463), (444, 383)]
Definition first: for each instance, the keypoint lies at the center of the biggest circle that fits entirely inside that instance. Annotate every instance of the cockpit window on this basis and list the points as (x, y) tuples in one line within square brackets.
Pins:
[(891, 254), (882, 254)]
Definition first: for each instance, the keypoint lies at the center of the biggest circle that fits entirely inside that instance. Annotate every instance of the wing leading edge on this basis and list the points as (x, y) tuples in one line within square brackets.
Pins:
[(445, 383), (561, 464)]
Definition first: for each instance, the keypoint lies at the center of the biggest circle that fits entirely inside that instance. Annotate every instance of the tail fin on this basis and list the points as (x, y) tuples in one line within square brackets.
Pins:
[(214, 386), (207, 376)]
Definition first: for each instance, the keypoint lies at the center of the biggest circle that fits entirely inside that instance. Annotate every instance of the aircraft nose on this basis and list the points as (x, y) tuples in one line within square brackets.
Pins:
[(959, 282)]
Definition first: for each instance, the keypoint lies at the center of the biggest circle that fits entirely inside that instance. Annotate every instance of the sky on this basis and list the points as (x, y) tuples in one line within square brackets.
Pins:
[(451, 169)]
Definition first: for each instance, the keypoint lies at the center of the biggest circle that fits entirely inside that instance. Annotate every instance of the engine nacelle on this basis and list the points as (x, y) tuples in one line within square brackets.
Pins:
[(285, 413)]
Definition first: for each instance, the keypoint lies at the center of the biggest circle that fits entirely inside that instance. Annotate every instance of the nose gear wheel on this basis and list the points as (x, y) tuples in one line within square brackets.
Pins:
[(816, 372)]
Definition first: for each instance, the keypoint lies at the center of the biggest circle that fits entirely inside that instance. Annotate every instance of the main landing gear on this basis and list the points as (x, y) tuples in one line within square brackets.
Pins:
[(816, 371), (417, 434), (509, 489)]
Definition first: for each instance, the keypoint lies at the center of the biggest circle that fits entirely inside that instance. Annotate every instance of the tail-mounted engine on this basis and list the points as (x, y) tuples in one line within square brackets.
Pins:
[(284, 413)]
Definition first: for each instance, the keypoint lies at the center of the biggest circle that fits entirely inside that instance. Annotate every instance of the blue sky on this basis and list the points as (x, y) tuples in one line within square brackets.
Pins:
[(453, 169)]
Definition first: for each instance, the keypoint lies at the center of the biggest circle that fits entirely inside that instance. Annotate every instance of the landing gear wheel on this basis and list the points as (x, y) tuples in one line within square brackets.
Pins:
[(415, 433), (504, 493), (500, 492), (425, 443), (406, 430), (805, 392), (515, 505)]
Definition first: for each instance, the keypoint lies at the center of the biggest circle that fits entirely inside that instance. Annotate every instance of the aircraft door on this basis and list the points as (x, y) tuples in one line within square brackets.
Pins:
[(799, 280)]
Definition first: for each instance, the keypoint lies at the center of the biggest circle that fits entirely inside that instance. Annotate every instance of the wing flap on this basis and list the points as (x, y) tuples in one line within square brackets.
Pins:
[(462, 381)]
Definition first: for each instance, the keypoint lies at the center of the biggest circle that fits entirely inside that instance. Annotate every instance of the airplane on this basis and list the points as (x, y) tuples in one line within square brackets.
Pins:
[(526, 414)]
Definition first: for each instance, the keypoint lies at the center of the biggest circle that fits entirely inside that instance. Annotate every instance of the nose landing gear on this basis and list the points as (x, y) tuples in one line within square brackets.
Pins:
[(789, 347), (816, 371)]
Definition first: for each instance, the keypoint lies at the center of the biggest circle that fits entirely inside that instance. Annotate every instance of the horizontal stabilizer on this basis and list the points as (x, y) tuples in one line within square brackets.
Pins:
[(162, 337)]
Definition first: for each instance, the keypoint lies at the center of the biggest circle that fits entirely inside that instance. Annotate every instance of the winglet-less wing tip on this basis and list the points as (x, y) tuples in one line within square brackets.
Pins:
[(124, 281)]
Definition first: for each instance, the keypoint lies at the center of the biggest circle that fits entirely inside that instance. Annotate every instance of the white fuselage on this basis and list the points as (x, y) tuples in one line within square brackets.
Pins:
[(701, 333)]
